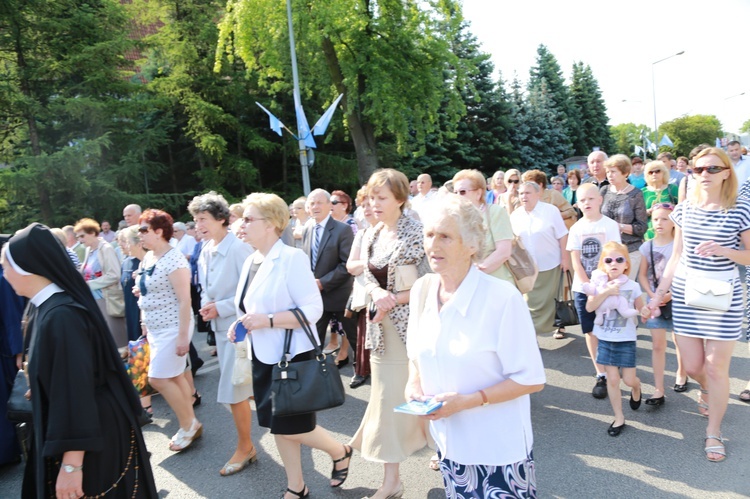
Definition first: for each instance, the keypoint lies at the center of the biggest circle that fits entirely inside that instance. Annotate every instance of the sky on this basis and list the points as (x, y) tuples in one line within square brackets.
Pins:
[(620, 40)]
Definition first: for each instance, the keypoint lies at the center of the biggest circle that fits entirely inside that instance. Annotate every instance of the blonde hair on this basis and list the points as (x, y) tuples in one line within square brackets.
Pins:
[(271, 207), (476, 179), (609, 248), (621, 162), (468, 219), (585, 188), (60, 235), (493, 184), (656, 165), (509, 174), (728, 187), (394, 180), (237, 209)]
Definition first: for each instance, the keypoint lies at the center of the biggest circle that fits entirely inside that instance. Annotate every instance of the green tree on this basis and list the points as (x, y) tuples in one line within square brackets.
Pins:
[(388, 58), (548, 70), (589, 106), (626, 136), (687, 132), (745, 128), (538, 135)]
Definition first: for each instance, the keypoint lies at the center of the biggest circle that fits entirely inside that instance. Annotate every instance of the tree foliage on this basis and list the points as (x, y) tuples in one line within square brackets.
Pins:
[(626, 136), (687, 132), (589, 106)]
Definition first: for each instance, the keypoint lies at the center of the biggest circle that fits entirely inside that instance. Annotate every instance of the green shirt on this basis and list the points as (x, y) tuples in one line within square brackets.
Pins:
[(498, 229), (651, 196)]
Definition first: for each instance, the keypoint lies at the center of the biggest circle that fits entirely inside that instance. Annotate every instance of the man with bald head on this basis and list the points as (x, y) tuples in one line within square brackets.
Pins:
[(425, 195), (131, 213), (596, 169)]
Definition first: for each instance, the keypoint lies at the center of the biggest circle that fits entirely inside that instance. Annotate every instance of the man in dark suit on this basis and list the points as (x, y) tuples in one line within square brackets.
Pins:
[(328, 243)]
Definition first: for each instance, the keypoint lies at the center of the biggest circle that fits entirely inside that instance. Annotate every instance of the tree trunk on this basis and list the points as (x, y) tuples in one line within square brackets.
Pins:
[(362, 131)]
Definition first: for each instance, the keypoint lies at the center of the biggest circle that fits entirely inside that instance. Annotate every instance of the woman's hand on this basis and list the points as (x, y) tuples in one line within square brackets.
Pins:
[(710, 248), (69, 485), (385, 300), (413, 391), (452, 403), (183, 345), (379, 315), (136, 291), (208, 311), (255, 321), (230, 333)]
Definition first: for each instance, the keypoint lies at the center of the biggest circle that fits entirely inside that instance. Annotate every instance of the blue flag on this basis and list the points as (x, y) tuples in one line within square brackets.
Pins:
[(666, 141), (322, 124), (275, 124), (304, 129)]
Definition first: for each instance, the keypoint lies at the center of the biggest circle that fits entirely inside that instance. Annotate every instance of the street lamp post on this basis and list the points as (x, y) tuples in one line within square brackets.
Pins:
[(653, 92)]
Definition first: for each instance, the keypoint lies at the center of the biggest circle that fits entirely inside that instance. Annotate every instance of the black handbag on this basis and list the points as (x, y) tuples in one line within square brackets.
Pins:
[(565, 310), (306, 386), (19, 407), (666, 310)]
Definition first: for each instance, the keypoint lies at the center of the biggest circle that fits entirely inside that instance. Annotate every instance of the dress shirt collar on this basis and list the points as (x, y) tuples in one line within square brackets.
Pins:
[(223, 247), (462, 298), (324, 222), (44, 295)]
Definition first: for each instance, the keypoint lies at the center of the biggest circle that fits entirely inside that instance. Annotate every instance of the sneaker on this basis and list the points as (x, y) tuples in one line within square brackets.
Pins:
[(600, 389)]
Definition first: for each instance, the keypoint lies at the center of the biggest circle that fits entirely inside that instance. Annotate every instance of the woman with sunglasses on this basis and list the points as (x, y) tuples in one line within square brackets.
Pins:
[(658, 190), (163, 288), (509, 198), (470, 184), (710, 226)]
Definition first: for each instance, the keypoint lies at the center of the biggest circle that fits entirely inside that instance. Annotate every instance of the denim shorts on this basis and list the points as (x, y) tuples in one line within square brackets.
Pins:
[(586, 318), (658, 323), (616, 353)]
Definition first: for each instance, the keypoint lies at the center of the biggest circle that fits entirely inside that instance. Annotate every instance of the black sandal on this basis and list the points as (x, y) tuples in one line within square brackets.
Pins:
[(302, 494), (196, 399), (341, 475)]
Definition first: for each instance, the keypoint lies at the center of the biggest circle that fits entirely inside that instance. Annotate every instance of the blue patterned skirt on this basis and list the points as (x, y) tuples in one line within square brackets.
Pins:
[(478, 481)]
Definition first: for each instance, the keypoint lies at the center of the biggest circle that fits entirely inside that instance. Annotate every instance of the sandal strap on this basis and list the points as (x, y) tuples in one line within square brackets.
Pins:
[(300, 494), (347, 455), (719, 438)]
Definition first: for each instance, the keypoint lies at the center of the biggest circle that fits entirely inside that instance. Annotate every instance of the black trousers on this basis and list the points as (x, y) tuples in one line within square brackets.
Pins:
[(349, 325)]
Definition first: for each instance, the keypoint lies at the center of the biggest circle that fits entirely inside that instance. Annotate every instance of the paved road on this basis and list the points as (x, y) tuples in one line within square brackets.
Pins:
[(660, 453)]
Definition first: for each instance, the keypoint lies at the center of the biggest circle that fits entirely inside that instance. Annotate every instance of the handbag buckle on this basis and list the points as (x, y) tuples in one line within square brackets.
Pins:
[(284, 375)]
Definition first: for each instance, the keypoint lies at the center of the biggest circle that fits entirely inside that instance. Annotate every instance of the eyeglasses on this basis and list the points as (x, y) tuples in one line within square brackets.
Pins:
[(516, 181), (142, 281), (619, 259), (462, 192), (710, 169), (143, 229), (249, 220), (651, 172), (666, 206)]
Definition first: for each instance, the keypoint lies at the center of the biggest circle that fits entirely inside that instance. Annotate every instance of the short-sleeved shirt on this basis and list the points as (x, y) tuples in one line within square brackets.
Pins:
[(616, 327), (499, 229), (159, 305), (660, 259), (721, 226), (588, 238), (540, 230)]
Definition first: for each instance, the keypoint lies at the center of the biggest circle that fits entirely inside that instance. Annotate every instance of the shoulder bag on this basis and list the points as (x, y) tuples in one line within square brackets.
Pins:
[(708, 293), (522, 266), (305, 386), (666, 310), (565, 310), (19, 407)]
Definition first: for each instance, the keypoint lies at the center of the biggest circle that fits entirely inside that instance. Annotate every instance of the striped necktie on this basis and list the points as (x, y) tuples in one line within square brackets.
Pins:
[(316, 243)]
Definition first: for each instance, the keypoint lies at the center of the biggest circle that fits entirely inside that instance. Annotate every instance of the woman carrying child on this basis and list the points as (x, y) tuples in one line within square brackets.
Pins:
[(617, 334)]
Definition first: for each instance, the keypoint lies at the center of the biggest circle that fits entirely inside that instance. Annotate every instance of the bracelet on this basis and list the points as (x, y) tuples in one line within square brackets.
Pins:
[(485, 400)]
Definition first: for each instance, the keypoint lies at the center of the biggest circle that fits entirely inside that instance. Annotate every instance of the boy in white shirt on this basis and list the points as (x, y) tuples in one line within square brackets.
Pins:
[(585, 241)]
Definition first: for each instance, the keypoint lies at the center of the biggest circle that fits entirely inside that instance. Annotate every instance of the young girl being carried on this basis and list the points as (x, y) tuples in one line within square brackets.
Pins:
[(656, 253), (616, 334)]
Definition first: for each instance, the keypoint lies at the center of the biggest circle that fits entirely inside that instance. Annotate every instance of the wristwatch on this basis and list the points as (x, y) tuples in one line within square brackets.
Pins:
[(69, 468), (270, 319)]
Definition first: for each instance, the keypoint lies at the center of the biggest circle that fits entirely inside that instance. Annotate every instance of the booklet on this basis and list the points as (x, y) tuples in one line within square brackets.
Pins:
[(417, 408)]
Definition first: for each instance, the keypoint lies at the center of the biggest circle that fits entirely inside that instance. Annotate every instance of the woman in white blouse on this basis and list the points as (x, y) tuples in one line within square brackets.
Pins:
[(477, 328), (274, 280), (219, 266), (542, 230)]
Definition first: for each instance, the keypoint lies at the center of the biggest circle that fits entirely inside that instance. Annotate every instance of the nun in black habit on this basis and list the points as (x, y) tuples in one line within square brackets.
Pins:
[(86, 413)]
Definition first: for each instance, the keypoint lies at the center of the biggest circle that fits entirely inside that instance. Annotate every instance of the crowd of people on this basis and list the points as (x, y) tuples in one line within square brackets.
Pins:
[(415, 287)]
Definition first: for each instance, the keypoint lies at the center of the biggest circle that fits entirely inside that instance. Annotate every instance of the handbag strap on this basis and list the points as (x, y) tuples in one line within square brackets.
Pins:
[(560, 288), (653, 267), (489, 224), (300, 316)]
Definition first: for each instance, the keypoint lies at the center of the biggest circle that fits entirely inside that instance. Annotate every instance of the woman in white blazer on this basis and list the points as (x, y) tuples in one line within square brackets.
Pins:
[(219, 266), (274, 280)]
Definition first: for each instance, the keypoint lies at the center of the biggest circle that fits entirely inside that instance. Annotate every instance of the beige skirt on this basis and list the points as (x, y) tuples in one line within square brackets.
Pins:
[(385, 436), (117, 326), (541, 300)]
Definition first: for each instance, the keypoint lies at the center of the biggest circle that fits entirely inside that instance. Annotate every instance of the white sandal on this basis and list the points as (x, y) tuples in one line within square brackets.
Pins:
[(716, 449), (184, 438)]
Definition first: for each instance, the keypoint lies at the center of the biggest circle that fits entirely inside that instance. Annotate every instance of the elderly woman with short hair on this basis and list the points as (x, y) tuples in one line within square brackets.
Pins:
[(499, 235), (219, 266), (624, 204), (542, 230), (274, 280), (492, 374), (552, 196)]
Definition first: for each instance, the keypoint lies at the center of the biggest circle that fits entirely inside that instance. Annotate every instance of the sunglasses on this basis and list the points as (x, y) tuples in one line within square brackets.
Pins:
[(143, 229), (652, 172), (462, 192), (249, 220), (142, 281), (666, 206), (619, 259), (334, 203), (513, 181), (710, 169)]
